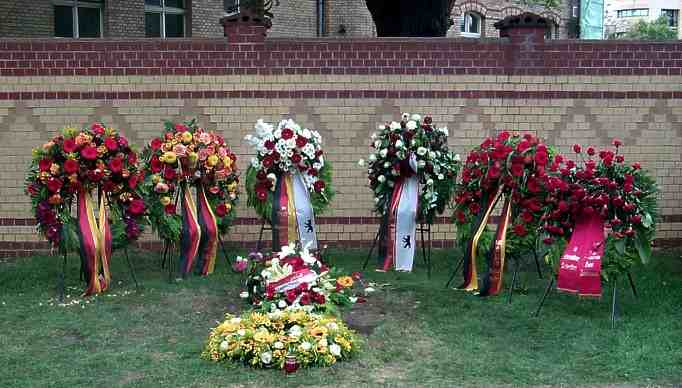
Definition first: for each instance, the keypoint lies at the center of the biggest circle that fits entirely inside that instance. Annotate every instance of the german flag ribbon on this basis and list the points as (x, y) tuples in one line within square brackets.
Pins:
[(284, 221), (190, 235), (208, 244), (488, 202), (492, 280), (95, 242)]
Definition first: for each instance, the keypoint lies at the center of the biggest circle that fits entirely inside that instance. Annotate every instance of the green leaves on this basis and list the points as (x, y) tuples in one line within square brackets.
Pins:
[(643, 245)]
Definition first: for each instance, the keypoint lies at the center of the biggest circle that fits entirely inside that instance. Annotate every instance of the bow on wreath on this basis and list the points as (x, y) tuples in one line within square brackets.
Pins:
[(199, 235), (95, 240)]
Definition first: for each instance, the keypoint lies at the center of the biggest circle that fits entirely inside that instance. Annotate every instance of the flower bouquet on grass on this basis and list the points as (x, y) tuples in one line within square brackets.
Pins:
[(68, 170), (621, 196), (271, 340), (412, 175), (296, 278), (290, 175)]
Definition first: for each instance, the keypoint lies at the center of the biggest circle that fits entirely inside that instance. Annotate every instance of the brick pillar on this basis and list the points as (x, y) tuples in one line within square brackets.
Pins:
[(246, 27), (526, 36)]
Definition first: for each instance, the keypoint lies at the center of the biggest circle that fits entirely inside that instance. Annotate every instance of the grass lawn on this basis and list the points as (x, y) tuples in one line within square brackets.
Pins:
[(416, 332)]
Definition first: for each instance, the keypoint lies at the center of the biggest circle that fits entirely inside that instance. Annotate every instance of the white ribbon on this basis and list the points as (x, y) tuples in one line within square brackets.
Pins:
[(305, 216), (406, 225)]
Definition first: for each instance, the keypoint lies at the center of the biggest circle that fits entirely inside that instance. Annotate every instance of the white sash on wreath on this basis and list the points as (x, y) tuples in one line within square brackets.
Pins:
[(406, 225), (305, 216)]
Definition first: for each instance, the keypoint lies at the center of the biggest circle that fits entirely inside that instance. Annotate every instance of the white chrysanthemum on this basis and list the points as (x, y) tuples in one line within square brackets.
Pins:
[(421, 151), (377, 143), (394, 125), (395, 172), (335, 350), (374, 135), (406, 116), (441, 177), (381, 179), (255, 163), (390, 184), (445, 131), (295, 331), (429, 182), (317, 166), (457, 158), (266, 357), (383, 153), (376, 200), (262, 128), (306, 346), (421, 164), (243, 294), (277, 133), (372, 157), (281, 304), (224, 346), (411, 124), (271, 177), (416, 117), (387, 164), (398, 143), (306, 133), (432, 155)]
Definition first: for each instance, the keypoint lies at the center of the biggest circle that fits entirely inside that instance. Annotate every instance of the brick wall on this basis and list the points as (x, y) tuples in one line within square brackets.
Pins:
[(204, 18), (124, 19), (564, 91), (21, 19), (353, 15), (295, 18)]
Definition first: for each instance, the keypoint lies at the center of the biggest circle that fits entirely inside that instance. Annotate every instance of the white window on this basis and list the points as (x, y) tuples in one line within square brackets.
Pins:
[(78, 18), (636, 12), (470, 25), (231, 7), (164, 18)]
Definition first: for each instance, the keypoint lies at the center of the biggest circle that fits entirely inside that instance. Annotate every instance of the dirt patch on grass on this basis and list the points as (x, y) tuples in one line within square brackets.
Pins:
[(366, 317)]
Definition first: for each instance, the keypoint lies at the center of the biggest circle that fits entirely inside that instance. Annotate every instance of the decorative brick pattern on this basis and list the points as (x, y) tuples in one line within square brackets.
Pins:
[(566, 92)]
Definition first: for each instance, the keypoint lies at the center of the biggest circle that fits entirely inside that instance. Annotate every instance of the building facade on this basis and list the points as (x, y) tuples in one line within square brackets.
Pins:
[(620, 15), (199, 18)]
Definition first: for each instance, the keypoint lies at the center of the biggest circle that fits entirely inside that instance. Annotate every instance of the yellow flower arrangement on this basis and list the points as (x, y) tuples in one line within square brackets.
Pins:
[(265, 340), (345, 281)]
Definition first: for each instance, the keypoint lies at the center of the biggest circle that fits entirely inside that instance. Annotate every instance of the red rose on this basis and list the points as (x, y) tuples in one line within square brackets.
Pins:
[(356, 276), (474, 208), (155, 164), (69, 146), (636, 219), (287, 134), (122, 141), (267, 161), (461, 217), (526, 216), (548, 241), (520, 230), (169, 209), (54, 185), (89, 153), (303, 286), (221, 210), (577, 149), (318, 153), (636, 166), (169, 174), (132, 181), (312, 172), (71, 166), (269, 144), (627, 187), (136, 207), (116, 165), (517, 169), (275, 156), (318, 186), (617, 143), (533, 185), (111, 144), (305, 299), (319, 298), (97, 128), (620, 158), (262, 195), (541, 158), (301, 142), (291, 296), (590, 151), (503, 136), (522, 146), (45, 164), (296, 158), (132, 158), (181, 128), (156, 143)]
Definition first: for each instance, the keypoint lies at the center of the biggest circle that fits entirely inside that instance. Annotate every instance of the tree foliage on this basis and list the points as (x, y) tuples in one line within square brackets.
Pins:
[(655, 30)]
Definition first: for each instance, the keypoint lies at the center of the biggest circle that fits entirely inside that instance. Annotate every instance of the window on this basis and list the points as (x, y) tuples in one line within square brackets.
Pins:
[(673, 16), (637, 12), (164, 18), (231, 6), (574, 12), (470, 25), (78, 19)]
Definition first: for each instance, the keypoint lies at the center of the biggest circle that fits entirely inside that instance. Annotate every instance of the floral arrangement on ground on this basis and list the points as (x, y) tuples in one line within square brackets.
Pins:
[(413, 146), (188, 155), (296, 278), (624, 196), (288, 149), (271, 340), (96, 158)]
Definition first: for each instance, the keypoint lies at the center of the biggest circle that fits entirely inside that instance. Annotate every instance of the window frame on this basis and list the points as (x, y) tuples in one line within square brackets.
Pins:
[(673, 15), (632, 13), (466, 26), (236, 9), (74, 5), (162, 10)]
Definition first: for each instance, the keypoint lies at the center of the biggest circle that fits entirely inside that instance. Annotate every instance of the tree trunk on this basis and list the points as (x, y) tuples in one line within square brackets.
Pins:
[(410, 17)]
